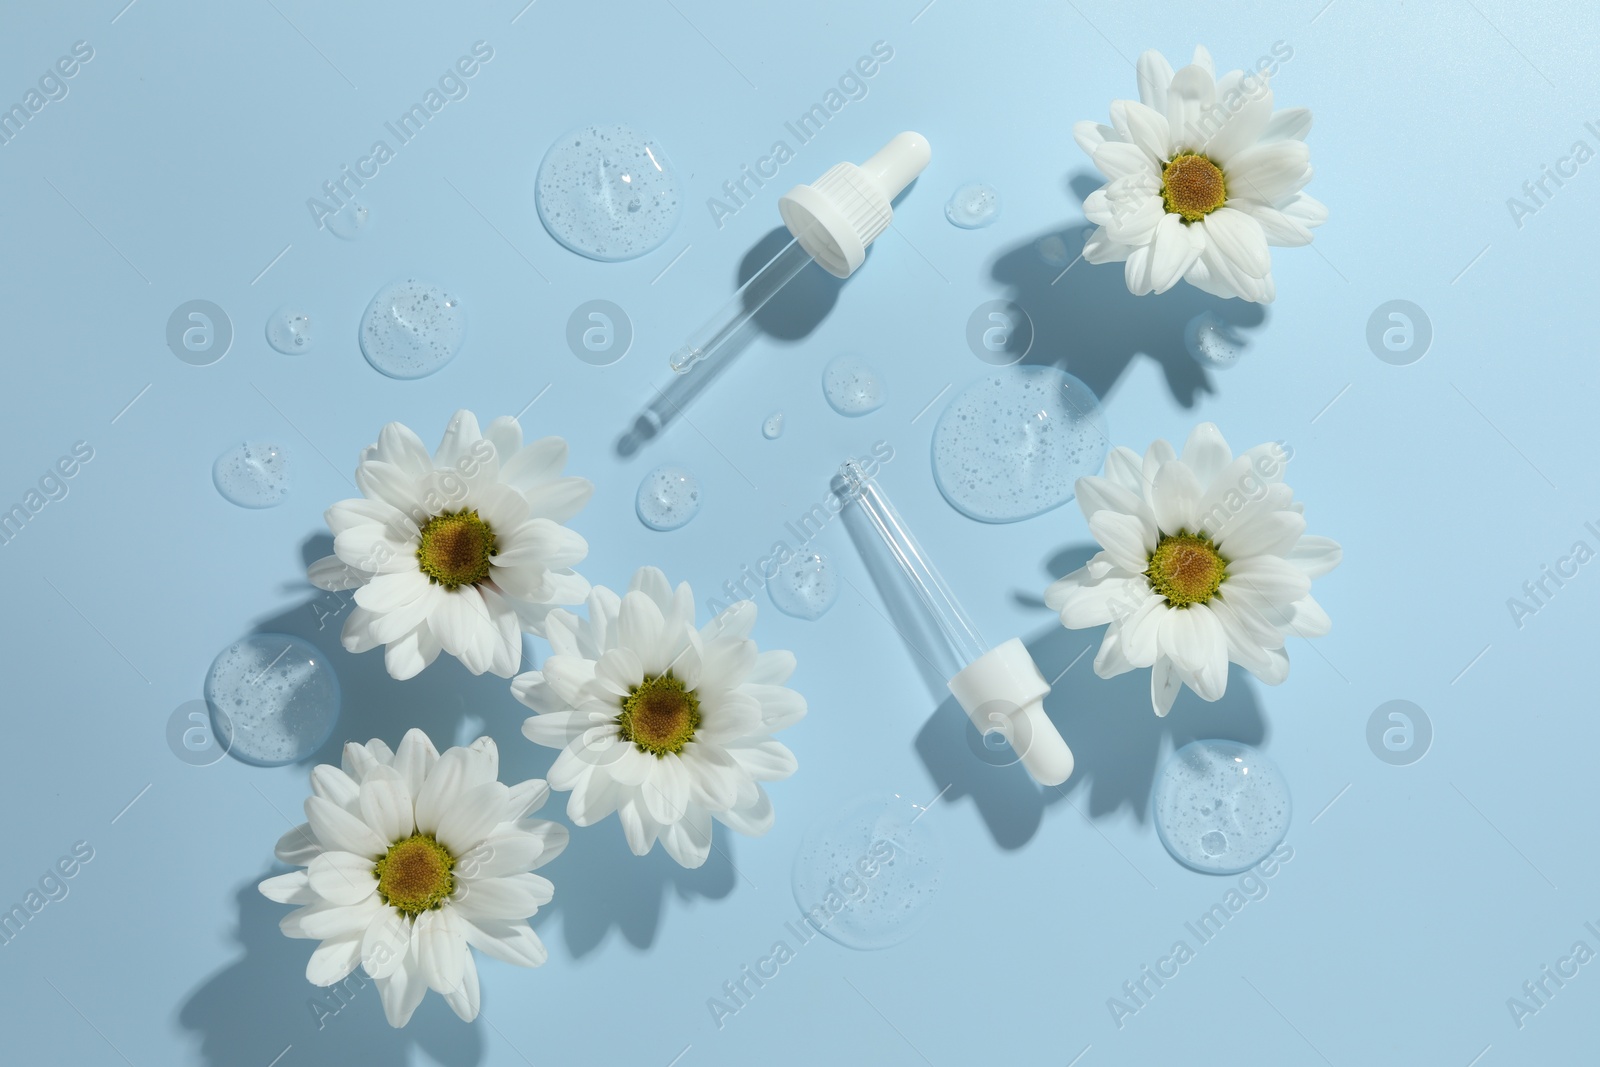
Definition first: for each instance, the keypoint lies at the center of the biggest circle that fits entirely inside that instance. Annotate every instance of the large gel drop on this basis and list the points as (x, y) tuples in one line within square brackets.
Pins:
[(252, 475), (668, 498), (273, 699), (805, 587), (412, 329), (869, 873), (1220, 806), (1212, 341), (289, 330), (1011, 445), (608, 192), (973, 205), (851, 386)]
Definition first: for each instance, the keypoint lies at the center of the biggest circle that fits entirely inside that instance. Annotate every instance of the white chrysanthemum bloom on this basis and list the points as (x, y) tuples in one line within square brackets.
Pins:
[(1205, 560), (409, 858), (1202, 176), (460, 551), (668, 726)]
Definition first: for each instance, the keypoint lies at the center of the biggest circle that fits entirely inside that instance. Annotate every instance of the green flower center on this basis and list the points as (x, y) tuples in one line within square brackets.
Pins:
[(659, 715), (455, 549), (415, 876), (1192, 187), (1186, 568)]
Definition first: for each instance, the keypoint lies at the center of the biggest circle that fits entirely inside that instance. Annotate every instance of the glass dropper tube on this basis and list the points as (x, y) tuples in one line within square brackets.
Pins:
[(952, 619), (999, 687), (741, 307)]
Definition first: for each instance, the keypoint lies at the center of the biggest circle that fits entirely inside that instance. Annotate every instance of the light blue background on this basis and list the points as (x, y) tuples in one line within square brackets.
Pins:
[(1414, 906)]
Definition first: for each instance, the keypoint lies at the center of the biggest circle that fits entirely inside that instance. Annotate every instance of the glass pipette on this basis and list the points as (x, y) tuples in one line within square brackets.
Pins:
[(1000, 687), (833, 220)]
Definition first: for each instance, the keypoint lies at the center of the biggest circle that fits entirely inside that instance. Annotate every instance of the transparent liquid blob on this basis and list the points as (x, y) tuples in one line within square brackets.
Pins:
[(772, 428), (851, 386), (1011, 445), (1213, 342), (805, 587), (252, 475), (273, 699), (289, 330), (412, 329), (608, 192), (973, 205), (1220, 806), (868, 874), (349, 222), (1053, 250), (668, 498)]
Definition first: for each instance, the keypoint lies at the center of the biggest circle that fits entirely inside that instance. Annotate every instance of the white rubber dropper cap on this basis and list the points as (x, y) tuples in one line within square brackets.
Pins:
[(1003, 690), (837, 216)]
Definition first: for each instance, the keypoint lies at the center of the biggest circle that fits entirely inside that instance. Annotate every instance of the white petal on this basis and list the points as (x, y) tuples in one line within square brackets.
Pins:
[(509, 941), (1127, 539), (1238, 237), (385, 943), (298, 846), (402, 992), (386, 805), (465, 1000), (333, 960), (342, 877), (1314, 555), (1164, 685), (291, 888), (338, 830), (440, 940), (1290, 124), (1154, 75), (475, 813)]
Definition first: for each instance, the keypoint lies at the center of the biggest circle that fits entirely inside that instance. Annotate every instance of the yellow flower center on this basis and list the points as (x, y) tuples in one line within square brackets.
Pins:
[(455, 549), (415, 876), (1192, 187), (659, 715), (1186, 568)]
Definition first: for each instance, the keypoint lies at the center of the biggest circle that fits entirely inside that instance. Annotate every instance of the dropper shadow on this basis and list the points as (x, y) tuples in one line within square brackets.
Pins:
[(1118, 742), (599, 883), (790, 315), (1087, 323), (254, 1008)]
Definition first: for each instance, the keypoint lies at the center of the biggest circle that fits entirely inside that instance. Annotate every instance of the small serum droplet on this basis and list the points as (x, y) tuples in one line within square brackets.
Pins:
[(349, 222), (851, 386), (772, 428), (668, 498), (608, 192), (289, 330), (1213, 342), (973, 206), (252, 475), (1221, 807), (273, 699), (882, 860), (1012, 445), (805, 587), (412, 329)]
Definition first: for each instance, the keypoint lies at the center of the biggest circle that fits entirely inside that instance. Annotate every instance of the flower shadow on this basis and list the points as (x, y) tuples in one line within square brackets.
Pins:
[(1087, 323), (790, 315), (260, 1005), (599, 883), (1118, 743)]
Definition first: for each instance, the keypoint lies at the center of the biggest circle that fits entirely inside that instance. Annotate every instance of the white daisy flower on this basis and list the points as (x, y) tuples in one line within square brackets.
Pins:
[(666, 725), (1205, 561), (458, 552), (1202, 176), (409, 858)]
